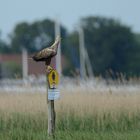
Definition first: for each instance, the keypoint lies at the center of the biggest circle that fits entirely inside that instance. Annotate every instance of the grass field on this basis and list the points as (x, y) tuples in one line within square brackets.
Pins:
[(81, 115)]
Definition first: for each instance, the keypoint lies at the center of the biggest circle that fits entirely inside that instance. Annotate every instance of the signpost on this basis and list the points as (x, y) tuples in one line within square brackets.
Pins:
[(52, 80), (52, 94)]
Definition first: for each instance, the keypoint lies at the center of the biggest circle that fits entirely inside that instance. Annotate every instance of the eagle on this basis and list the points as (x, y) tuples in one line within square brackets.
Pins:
[(47, 53)]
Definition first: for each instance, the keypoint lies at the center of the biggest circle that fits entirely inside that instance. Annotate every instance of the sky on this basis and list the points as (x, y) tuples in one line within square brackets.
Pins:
[(68, 12)]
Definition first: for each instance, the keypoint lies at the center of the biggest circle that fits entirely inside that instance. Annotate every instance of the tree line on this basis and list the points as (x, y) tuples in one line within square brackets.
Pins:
[(113, 47)]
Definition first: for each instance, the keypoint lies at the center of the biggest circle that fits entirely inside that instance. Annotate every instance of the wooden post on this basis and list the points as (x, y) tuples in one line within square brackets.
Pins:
[(51, 118), (51, 109)]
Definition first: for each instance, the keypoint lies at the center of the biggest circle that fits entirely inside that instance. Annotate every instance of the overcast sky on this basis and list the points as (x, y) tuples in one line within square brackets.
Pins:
[(68, 11)]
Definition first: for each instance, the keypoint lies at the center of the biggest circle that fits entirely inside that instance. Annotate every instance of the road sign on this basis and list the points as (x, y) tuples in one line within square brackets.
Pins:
[(53, 79), (53, 94)]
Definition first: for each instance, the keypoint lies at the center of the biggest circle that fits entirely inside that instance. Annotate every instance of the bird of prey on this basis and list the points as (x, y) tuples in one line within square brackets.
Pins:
[(47, 53)]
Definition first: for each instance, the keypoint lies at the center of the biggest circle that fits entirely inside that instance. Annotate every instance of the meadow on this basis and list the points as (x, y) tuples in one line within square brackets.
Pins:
[(81, 114)]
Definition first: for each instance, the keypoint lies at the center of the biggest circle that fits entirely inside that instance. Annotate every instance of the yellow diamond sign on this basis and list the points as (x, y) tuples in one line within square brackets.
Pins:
[(53, 79)]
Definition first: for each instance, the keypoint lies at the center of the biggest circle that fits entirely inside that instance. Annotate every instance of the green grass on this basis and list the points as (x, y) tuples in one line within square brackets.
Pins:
[(21, 126), (71, 135), (78, 117), (85, 135)]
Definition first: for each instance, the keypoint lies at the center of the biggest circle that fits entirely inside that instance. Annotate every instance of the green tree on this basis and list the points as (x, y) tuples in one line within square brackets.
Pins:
[(34, 36), (38, 35), (133, 58), (10, 69), (72, 53), (108, 43), (4, 48), (21, 37)]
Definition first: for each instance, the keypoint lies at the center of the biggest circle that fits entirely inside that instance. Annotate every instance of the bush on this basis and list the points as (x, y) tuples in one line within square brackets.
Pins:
[(10, 70)]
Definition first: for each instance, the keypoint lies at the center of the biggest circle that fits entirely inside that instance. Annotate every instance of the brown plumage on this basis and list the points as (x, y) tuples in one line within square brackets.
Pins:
[(47, 53)]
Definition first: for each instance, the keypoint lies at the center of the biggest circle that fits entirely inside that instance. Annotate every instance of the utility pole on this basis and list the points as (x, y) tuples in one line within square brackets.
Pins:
[(24, 63), (58, 56), (85, 64), (89, 66), (82, 54)]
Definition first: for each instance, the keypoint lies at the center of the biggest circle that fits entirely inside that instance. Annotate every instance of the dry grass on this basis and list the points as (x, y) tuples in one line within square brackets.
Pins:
[(29, 103), (80, 101)]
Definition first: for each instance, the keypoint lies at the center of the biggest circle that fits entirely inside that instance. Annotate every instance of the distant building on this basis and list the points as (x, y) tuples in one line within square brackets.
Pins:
[(13, 62)]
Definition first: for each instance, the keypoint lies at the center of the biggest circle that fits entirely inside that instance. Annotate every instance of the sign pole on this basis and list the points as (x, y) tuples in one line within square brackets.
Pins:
[(52, 80), (51, 108)]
